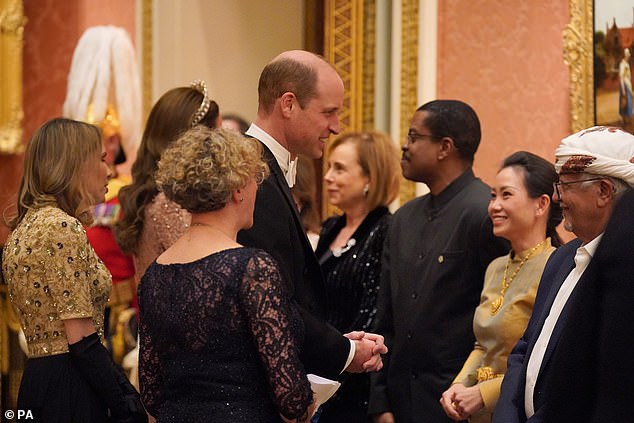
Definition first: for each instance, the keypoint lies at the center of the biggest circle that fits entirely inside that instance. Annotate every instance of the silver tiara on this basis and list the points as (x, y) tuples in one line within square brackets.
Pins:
[(200, 86)]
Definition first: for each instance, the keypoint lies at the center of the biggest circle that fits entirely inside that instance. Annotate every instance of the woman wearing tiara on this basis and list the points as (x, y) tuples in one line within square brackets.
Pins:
[(150, 222)]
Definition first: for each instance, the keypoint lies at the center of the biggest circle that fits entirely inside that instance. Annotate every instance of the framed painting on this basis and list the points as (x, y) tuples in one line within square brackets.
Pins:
[(613, 43)]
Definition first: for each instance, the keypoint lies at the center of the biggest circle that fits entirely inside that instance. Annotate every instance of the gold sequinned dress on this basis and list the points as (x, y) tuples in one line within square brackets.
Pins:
[(53, 274)]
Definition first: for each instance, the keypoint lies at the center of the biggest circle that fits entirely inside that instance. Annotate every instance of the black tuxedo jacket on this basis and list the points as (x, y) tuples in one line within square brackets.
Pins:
[(593, 368), (277, 229), (510, 405)]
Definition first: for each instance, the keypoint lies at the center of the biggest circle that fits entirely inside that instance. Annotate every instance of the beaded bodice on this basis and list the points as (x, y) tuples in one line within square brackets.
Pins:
[(163, 223)]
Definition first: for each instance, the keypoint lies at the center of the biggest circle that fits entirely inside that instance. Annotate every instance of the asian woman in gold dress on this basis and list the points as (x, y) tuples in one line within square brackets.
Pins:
[(523, 213)]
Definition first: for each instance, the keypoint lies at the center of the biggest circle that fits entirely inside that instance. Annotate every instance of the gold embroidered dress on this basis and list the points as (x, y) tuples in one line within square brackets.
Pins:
[(497, 333), (53, 274)]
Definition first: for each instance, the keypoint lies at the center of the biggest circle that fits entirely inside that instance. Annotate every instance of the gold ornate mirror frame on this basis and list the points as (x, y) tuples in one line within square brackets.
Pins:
[(11, 40), (578, 55)]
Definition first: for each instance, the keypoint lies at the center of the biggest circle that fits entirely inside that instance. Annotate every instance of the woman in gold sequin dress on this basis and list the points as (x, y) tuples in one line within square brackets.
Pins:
[(59, 287), (150, 222), (522, 212)]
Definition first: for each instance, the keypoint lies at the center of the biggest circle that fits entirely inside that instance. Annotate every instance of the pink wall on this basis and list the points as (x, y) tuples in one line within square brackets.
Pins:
[(506, 60), (51, 33)]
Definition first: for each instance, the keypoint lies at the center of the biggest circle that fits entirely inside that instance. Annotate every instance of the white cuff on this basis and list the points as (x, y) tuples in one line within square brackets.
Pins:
[(353, 349)]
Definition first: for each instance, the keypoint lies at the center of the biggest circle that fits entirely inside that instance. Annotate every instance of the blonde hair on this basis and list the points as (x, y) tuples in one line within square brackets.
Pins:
[(53, 162), (379, 160), (202, 168)]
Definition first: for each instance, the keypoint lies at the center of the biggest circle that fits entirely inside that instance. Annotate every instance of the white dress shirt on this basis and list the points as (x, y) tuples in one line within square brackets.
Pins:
[(582, 258), (288, 166)]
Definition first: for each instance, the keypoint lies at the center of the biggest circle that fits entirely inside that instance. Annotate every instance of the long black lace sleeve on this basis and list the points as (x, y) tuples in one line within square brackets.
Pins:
[(276, 329), (150, 379)]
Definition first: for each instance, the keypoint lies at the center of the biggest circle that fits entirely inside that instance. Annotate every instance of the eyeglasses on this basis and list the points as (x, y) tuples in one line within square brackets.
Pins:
[(412, 137), (563, 186)]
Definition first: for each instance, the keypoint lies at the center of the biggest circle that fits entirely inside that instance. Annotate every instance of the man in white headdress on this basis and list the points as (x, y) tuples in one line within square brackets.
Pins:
[(592, 370), (595, 167), (104, 89)]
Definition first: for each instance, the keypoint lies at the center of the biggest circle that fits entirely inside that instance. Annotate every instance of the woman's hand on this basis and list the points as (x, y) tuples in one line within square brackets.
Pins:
[(460, 402), (448, 401)]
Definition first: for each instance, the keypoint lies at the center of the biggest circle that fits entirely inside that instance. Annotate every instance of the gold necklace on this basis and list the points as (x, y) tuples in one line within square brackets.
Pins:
[(211, 227), (496, 304)]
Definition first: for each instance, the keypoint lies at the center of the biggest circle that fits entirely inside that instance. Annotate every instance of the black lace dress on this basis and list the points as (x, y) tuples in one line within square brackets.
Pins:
[(219, 341)]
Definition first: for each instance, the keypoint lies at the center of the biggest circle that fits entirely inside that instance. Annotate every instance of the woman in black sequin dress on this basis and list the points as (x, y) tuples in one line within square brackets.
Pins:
[(362, 179), (219, 337)]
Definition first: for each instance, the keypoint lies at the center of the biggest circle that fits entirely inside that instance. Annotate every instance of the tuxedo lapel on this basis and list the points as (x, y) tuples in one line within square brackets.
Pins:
[(281, 183)]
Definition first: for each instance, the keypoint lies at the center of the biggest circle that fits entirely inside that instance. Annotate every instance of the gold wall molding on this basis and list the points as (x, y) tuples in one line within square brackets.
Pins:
[(578, 55), (146, 54), (409, 82), (369, 67), (12, 23), (345, 48)]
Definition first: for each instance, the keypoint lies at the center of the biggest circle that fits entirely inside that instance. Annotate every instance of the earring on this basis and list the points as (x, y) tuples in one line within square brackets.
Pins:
[(366, 188), (241, 199)]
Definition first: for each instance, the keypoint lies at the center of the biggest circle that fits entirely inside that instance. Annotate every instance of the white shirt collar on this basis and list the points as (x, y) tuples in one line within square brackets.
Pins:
[(281, 154), (591, 247)]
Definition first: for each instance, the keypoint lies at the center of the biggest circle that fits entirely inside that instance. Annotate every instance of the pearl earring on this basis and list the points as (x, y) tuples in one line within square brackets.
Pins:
[(366, 188)]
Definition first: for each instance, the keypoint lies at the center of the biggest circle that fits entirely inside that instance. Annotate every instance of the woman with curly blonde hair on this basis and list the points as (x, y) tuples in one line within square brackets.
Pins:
[(219, 337)]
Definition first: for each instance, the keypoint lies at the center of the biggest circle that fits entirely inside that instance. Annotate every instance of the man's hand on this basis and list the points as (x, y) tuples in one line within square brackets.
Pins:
[(368, 350), (379, 340)]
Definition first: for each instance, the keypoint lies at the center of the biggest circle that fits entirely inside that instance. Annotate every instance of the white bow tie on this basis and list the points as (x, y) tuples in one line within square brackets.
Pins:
[(291, 172)]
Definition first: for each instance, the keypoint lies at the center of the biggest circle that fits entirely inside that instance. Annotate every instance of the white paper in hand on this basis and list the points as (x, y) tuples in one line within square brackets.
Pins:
[(322, 387)]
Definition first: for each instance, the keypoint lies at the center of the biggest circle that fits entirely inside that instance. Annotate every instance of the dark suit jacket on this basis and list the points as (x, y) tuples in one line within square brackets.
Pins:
[(277, 229), (592, 377), (434, 259), (510, 405)]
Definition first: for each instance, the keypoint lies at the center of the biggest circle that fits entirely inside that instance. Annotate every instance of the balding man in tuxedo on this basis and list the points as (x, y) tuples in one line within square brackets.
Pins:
[(300, 96)]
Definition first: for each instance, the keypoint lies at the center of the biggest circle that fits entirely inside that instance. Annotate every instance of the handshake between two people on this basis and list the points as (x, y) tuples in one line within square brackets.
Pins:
[(368, 350)]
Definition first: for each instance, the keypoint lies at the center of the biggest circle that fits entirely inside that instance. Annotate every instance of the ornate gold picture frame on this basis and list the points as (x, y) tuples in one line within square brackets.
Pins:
[(578, 55), (11, 40)]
